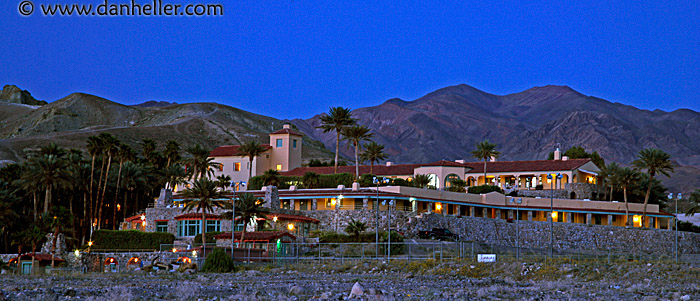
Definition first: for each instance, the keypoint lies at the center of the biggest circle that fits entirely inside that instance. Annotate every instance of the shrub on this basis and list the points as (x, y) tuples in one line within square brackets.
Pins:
[(130, 239), (484, 189), (324, 181), (210, 237), (218, 262), (688, 227)]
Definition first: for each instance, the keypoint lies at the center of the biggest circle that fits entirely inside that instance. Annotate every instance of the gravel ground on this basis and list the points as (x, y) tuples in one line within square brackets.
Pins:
[(399, 281)]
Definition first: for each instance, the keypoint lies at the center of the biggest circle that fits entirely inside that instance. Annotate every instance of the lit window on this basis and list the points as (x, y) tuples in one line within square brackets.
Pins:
[(237, 166), (279, 142), (294, 143), (279, 166)]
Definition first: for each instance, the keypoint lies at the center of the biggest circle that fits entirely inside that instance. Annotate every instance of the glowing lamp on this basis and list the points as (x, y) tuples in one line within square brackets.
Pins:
[(554, 214), (174, 250), (144, 223), (77, 253), (111, 260), (143, 217), (119, 207), (635, 218), (290, 227), (274, 219), (194, 253), (333, 202), (136, 260), (438, 207), (90, 243)]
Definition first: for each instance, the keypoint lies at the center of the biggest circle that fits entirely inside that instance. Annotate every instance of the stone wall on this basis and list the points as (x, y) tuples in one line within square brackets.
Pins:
[(567, 236), (337, 220), (582, 190), (545, 194)]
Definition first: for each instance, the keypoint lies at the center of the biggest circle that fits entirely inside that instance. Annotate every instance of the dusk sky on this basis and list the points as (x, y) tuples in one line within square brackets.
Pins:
[(294, 59)]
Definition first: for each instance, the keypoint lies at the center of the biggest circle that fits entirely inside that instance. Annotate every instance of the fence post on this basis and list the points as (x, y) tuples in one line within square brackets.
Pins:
[(472, 256)]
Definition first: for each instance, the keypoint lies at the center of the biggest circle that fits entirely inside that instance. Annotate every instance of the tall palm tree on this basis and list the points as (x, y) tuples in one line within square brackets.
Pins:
[(172, 152), (374, 152), (94, 147), (310, 180), (174, 175), (8, 216), (124, 154), (421, 181), (695, 200), (223, 182), (30, 183), (609, 175), (51, 172), (249, 207), (200, 162), (148, 149), (625, 178), (203, 196), (654, 161), (485, 150), (271, 177), (251, 149), (336, 120), (110, 146), (134, 177), (34, 237), (56, 220), (356, 134)]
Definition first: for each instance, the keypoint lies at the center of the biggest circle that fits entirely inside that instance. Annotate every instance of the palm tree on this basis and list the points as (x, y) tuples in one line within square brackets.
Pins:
[(356, 134), (94, 147), (174, 175), (172, 152), (134, 177), (457, 185), (124, 154), (421, 181), (110, 146), (33, 236), (310, 179), (336, 120), (8, 216), (249, 207), (148, 147), (223, 182), (609, 176), (625, 178), (251, 149), (654, 161), (374, 152), (355, 227), (485, 150), (30, 183), (203, 196), (51, 172), (200, 162), (271, 177), (695, 200), (57, 220)]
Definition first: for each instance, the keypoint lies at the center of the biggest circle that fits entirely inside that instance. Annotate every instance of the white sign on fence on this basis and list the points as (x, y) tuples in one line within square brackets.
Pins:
[(486, 258)]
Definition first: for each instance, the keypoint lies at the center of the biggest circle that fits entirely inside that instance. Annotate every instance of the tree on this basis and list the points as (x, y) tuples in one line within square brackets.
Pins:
[(485, 150), (608, 174), (421, 181), (336, 120), (33, 237), (457, 185), (110, 146), (174, 175), (201, 164), (51, 172), (374, 152), (94, 147), (355, 228), (134, 177), (223, 182), (251, 149), (578, 152), (56, 220), (271, 177), (356, 134), (124, 154), (654, 161), (30, 183), (249, 207), (8, 216), (203, 196), (311, 180), (172, 152), (148, 147), (625, 178), (695, 200)]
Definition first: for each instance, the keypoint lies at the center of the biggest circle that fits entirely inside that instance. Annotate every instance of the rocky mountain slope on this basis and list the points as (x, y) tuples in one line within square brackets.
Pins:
[(70, 120), (447, 123)]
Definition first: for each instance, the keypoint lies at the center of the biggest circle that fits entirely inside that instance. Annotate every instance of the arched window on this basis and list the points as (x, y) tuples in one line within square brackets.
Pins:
[(448, 180), (433, 180)]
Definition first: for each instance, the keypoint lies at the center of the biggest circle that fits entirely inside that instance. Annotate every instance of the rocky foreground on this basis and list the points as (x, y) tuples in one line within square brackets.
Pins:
[(427, 280)]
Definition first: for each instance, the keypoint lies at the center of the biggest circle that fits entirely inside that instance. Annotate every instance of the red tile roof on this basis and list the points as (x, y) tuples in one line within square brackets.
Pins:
[(257, 235), (134, 218), (446, 163), (379, 170), (291, 217), (287, 131), (231, 150), (524, 166), (197, 216)]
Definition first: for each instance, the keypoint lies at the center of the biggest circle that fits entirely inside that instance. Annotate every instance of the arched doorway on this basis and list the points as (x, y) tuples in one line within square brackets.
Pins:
[(111, 265), (449, 179), (134, 262)]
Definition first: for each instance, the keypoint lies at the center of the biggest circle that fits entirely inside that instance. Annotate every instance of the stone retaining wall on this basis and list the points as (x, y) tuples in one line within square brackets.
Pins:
[(567, 236), (337, 220)]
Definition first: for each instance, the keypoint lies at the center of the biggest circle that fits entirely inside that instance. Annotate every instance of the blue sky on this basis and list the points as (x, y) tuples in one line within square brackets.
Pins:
[(294, 59)]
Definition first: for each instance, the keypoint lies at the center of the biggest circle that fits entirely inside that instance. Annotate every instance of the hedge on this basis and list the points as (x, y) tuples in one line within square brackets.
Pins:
[(484, 189), (324, 181), (130, 239)]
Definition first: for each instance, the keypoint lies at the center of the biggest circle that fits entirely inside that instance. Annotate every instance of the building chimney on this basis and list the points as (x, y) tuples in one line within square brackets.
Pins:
[(341, 187), (557, 154), (564, 158), (460, 161), (355, 186), (292, 188), (286, 126), (389, 163), (493, 159)]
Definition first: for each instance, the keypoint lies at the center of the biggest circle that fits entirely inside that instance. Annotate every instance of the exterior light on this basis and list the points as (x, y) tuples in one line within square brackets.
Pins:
[(136, 260), (143, 217), (635, 218), (274, 219), (111, 260), (194, 253), (333, 202), (144, 223), (438, 207), (174, 250), (119, 207), (90, 243), (77, 253), (554, 215), (290, 227)]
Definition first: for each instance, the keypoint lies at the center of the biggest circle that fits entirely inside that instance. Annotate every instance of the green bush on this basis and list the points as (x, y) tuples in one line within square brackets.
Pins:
[(688, 227), (218, 262), (395, 238), (130, 239), (484, 189), (324, 181), (210, 237)]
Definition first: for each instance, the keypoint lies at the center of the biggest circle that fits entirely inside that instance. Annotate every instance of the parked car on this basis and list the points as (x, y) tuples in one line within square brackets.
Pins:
[(438, 233)]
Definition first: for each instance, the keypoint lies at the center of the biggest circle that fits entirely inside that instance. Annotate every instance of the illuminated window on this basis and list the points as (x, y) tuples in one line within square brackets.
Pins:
[(279, 166), (294, 143), (237, 166), (279, 142)]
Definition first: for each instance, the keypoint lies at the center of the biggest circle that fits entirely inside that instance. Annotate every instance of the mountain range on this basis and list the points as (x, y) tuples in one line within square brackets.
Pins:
[(444, 124)]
